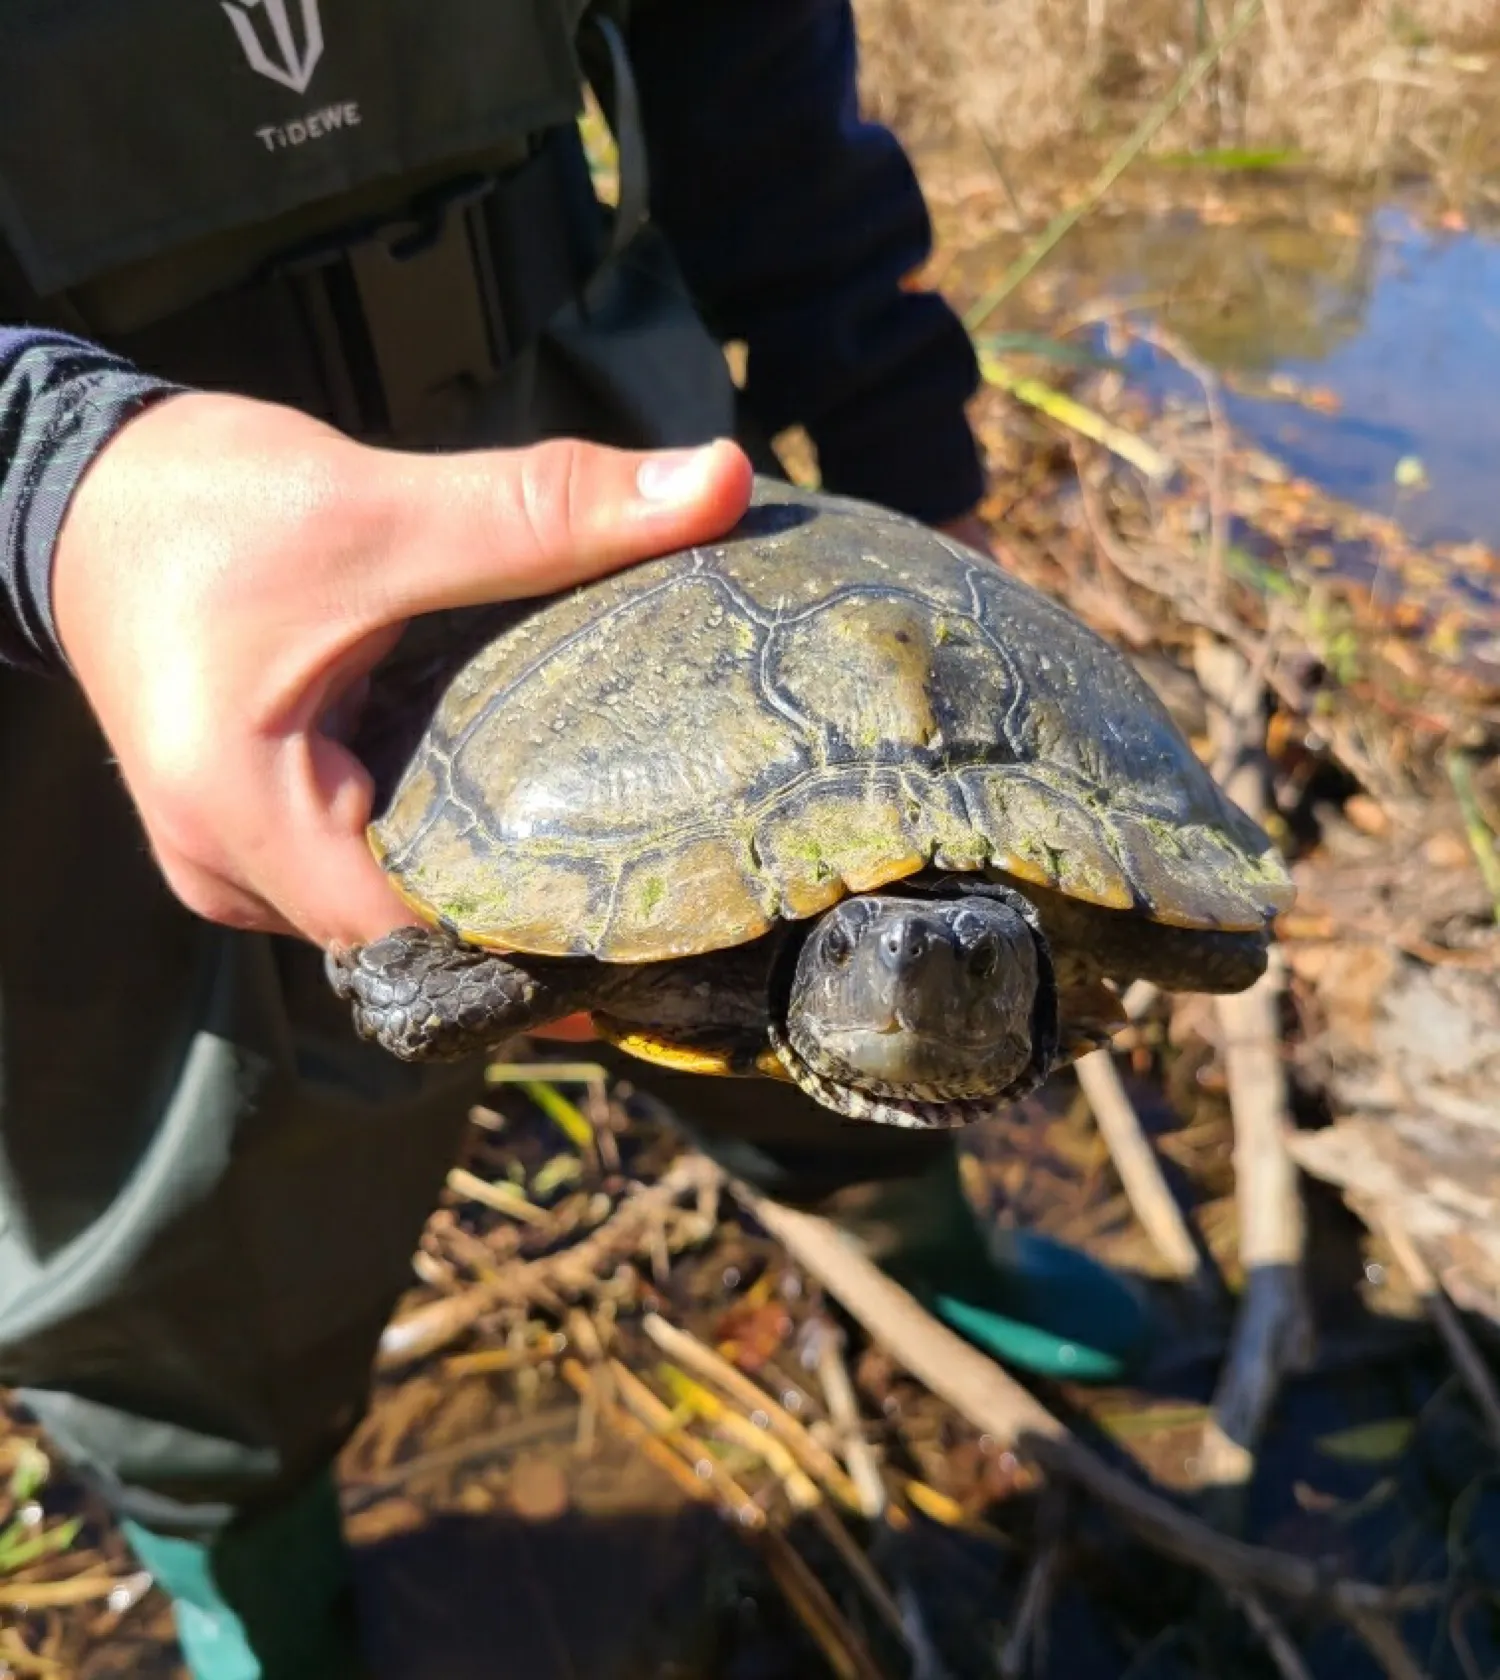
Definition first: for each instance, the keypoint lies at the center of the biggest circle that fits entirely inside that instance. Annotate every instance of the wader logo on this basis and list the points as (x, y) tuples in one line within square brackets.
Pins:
[(288, 64)]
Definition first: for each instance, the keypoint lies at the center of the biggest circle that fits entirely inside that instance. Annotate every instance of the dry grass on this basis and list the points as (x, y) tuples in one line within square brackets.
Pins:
[(1357, 86)]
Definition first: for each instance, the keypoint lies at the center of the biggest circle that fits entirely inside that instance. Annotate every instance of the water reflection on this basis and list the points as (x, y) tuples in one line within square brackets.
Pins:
[(1248, 296), (1399, 323)]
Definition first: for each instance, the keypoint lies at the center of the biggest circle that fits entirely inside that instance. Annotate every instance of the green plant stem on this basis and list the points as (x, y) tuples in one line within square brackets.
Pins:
[(1481, 840), (1067, 411), (979, 312)]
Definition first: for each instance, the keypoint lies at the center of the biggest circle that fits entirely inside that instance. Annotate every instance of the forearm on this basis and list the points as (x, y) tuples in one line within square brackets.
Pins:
[(796, 224), (61, 401)]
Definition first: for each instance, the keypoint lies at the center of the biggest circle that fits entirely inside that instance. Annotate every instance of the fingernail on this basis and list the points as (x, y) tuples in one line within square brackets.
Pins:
[(674, 475)]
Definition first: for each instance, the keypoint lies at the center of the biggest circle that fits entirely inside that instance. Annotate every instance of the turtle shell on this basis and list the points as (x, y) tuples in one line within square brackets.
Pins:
[(831, 698)]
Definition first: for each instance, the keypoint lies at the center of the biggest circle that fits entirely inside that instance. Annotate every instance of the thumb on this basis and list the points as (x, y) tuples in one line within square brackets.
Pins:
[(498, 524)]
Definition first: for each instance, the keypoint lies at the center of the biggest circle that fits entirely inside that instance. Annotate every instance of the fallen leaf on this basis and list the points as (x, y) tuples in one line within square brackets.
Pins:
[(1369, 1443)]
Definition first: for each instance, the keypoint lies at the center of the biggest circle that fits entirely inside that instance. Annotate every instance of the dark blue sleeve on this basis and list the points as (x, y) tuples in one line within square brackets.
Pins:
[(796, 223), (61, 401)]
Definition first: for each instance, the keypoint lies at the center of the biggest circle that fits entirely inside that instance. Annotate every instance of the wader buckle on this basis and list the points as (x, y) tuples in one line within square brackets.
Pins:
[(405, 316)]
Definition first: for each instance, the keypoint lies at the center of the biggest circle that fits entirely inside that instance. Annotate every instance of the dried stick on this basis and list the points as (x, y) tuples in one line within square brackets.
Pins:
[(1273, 1636), (630, 1428), (651, 1427), (1481, 840), (996, 1404), (472, 1449), (1218, 509), (1068, 411), (1120, 160), (1140, 1172), (23, 1663), (501, 1198), (435, 1324), (1387, 1647), (1026, 1633), (56, 1595), (1465, 1356), (838, 1391), (1272, 1328), (859, 1566), (802, 1493), (689, 1352), (660, 1419), (846, 1652)]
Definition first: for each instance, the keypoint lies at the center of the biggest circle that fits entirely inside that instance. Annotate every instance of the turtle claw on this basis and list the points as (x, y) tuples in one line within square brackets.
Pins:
[(424, 997)]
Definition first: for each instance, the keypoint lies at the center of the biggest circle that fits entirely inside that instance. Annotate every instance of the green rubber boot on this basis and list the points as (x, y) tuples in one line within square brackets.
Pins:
[(264, 1599), (1019, 1296)]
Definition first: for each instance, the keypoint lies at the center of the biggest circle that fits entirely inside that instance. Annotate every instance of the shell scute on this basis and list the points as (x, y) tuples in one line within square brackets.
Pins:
[(827, 700)]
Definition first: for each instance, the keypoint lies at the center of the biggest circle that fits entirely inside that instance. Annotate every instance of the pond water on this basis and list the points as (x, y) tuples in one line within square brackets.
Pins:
[(1404, 334), (1350, 341)]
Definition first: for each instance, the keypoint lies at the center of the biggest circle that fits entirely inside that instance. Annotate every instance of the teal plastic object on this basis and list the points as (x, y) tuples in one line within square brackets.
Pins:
[(1051, 1310), (213, 1638), (265, 1599)]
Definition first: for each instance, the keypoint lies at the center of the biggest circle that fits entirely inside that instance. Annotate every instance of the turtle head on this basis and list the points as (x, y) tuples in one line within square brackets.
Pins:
[(922, 1011)]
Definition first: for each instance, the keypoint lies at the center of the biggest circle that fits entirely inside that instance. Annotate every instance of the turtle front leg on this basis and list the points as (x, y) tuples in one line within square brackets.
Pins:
[(427, 998)]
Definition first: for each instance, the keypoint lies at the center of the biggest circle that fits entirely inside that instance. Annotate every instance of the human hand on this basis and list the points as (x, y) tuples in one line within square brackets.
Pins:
[(230, 572)]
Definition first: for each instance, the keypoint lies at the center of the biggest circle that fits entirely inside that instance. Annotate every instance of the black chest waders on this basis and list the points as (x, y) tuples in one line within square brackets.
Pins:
[(378, 210)]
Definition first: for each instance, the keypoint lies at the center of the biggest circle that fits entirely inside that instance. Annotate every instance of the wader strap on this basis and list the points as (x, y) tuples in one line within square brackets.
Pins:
[(403, 315), (390, 329), (615, 86)]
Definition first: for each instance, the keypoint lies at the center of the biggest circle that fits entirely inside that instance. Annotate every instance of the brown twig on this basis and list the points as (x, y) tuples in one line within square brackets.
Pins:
[(802, 1493), (1024, 1641), (658, 1417), (846, 1652), (695, 1356), (859, 1566), (1386, 1646), (615, 1417), (435, 1324), (800, 1489), (1140, 1172), (997, 1405), (1465, 1356), (500, 1198), (1273, 1635), (1272, 1329), (1218, 504), (1120, 160), (16, 1657), (651, 1426), (843, 1409), (54, 1595), (1481, 839), (1165, 574), (473, 1449)]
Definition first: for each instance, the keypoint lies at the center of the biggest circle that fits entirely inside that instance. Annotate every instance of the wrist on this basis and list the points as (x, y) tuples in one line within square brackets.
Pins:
[(66, 401)]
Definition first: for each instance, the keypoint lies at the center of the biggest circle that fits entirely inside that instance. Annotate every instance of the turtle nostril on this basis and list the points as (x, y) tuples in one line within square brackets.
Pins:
[(902, 942), (984, 959)]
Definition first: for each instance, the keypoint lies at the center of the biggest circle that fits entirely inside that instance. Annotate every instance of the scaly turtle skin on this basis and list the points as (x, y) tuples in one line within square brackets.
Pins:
[(832, 799)]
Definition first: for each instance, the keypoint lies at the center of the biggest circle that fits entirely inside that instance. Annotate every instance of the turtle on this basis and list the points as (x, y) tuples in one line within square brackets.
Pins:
[(834, 799)]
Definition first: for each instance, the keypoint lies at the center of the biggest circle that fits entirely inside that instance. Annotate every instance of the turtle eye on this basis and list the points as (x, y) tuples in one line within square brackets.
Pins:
[(837, 945), (984, 959)]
